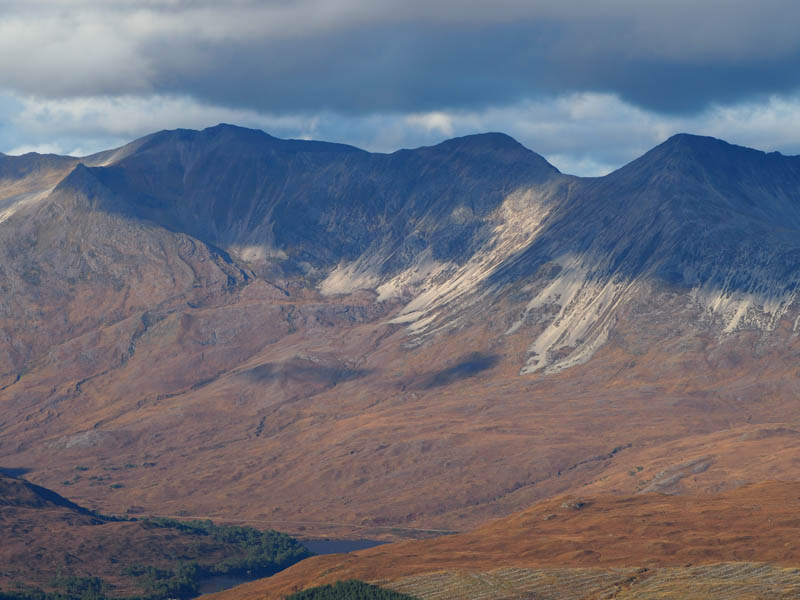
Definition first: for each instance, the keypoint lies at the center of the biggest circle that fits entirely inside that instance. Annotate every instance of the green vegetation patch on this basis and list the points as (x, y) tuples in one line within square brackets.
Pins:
[(349, 590), (251, 553), (263, 553)]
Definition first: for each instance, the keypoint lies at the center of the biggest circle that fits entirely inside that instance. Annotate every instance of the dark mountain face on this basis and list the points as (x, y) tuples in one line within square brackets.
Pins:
[(687, 207), (316, 203), (240, 295), (718, 180)]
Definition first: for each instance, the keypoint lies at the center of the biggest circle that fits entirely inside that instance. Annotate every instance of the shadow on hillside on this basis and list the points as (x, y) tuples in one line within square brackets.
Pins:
[(14, 472), (299, 370), (467, 366)]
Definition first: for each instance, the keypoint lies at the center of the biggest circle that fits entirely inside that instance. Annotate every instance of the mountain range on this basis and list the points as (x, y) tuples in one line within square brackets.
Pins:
[(336, 342)]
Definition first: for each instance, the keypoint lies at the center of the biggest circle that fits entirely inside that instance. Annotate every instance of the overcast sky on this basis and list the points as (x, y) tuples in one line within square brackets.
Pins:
[(589, 84)]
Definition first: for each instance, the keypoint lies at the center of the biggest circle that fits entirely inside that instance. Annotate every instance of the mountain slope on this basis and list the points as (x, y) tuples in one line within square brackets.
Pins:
[(71, 266), (697, 217)]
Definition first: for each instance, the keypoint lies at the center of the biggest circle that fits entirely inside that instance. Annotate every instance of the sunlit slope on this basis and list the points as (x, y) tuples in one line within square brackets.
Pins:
[(579, 546)]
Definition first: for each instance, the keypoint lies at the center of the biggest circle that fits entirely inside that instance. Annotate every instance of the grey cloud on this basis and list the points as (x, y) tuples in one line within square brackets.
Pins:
[(359, 56)]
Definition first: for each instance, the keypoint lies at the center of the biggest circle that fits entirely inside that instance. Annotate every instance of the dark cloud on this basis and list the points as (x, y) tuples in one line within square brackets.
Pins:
[(355, 56), (424, 66)]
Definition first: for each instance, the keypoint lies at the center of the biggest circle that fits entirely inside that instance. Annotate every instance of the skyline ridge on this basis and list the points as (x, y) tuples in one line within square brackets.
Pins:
[(671, 140)]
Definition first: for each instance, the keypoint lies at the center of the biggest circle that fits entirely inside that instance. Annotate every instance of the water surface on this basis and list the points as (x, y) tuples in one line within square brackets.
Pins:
[(220, 583), (337, 546)]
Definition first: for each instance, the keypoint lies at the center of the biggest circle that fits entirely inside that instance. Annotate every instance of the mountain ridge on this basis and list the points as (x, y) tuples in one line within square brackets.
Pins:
[(423, 238)]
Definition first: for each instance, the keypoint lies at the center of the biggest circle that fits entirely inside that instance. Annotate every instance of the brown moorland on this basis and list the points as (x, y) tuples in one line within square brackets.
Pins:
[(644, 533), (290, 439)]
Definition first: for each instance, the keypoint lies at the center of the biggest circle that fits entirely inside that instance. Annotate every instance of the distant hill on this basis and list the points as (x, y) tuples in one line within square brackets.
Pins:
[(18, 493), (52, 546)]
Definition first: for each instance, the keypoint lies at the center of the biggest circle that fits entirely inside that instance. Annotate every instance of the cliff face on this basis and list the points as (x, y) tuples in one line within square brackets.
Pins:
[(224, 297)]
